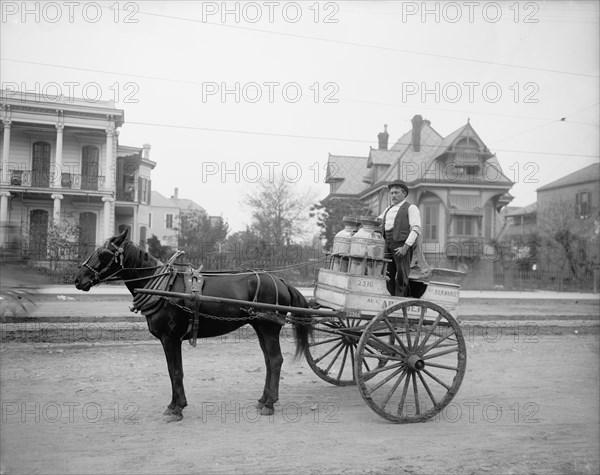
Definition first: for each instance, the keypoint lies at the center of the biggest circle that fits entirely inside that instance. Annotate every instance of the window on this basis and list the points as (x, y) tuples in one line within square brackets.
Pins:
[(430, 222), (143, 236), (149, 220), (583, 204), (464, 225), (169, 221), (40, 164), (144, 190), (90, 167)]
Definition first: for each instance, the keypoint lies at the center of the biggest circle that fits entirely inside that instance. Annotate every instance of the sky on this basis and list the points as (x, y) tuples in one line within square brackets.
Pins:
[(227, 93)]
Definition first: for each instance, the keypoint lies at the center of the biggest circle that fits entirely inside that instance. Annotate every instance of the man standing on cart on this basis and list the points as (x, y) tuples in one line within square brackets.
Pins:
[(401, 225)]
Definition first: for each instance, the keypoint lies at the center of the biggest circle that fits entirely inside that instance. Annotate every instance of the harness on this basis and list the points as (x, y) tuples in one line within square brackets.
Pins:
[(193, 280), (117, 259)]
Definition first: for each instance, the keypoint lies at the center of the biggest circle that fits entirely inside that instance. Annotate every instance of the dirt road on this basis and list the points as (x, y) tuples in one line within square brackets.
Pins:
[(527, 405)]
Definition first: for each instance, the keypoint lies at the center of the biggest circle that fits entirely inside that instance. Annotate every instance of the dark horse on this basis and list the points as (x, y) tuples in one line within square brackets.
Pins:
[(170, 320)]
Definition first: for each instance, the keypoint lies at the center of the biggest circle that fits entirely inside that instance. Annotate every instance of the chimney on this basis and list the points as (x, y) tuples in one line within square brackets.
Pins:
[(383, 138), (417, 123), (146, 151), (176, 193)]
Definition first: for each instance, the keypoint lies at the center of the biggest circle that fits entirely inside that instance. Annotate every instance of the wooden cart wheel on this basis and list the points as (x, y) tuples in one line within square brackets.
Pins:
[(426, 361), (331, 354)]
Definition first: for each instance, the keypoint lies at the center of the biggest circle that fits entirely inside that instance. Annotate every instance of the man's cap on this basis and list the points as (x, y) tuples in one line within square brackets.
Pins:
[(398, 184)]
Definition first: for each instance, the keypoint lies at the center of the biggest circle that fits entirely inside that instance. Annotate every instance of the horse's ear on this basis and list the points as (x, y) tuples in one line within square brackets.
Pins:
[(121, 237)]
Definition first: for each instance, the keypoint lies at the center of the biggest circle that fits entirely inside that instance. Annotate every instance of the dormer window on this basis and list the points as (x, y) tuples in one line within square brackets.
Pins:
[(467, 154)]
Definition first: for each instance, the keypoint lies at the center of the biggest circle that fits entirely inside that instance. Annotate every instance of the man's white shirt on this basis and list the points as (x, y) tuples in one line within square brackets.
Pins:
[(414, 220)]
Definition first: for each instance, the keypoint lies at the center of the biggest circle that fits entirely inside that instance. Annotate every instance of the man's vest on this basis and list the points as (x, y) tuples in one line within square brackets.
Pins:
[(401, 228)]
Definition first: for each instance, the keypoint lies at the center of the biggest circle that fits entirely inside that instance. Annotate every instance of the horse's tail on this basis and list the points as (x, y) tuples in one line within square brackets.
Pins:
[(302, 323)]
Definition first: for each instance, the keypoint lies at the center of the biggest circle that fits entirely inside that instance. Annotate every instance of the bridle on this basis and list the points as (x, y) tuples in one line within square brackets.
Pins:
[(117, 259)]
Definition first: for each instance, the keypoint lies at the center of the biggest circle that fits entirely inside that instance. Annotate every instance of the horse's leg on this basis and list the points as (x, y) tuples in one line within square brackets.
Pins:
[(172, 348), (268, 335), (263, 347)]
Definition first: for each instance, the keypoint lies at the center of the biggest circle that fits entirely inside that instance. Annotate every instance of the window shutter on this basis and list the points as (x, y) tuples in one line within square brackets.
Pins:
[(149, 191), (140, 189)]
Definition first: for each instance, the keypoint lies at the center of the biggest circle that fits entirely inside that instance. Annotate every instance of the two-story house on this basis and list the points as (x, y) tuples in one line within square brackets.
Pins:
[(165, 216), (456, 182), (61, 158)]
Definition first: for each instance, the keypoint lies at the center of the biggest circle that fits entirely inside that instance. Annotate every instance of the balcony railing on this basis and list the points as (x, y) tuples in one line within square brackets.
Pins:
[(69, 181)]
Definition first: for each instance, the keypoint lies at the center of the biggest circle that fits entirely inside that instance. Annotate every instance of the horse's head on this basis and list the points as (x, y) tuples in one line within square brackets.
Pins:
[(105, 261)]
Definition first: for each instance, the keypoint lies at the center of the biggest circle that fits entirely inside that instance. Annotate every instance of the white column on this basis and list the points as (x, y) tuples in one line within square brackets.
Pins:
[(58, 161), (56, 213), (109, 163), (5, 152), (108, 231), (4, 195)]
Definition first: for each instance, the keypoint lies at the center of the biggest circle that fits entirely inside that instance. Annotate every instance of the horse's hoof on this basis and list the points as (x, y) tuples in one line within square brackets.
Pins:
[(174, 417), (267, 411), (168, 411), (259, 405)]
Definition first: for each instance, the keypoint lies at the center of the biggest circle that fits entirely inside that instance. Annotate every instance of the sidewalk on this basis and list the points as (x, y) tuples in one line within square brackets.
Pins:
[(308, 292)]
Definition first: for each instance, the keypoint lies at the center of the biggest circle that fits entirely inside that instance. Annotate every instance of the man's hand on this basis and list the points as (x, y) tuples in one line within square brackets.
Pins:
[(401, 251)]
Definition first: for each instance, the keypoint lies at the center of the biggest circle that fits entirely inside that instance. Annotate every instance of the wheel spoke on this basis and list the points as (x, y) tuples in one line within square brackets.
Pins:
[(334, 359), (432, 329), (372, 389), (416, 392), (386, 346), (328, 352), (339, 377), (441, 353), (407, 326), (426, 386), (442, 338), (396, 337), (419, 327), (368, 374), (390, 393), (437, 380), (403, 398), (323, 342), (443, 366), (381, 356)]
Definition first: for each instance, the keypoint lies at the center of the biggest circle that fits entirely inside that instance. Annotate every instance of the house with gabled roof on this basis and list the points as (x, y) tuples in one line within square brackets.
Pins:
[(165, 214), (456, 182)]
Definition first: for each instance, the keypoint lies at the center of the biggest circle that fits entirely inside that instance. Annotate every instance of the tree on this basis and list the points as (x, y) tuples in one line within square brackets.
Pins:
[(64, 241), (568, 237), (200, 234), (280, 213), (157, 249), (329, 216)]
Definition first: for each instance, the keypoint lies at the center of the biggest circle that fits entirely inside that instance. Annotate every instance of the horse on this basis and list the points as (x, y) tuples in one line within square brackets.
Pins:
[(120, 259)]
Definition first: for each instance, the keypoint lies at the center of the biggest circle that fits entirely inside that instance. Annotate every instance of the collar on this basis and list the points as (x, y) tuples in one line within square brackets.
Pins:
[(398, 205)]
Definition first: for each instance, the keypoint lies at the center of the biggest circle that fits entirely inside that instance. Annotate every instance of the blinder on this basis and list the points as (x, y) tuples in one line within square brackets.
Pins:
[(115, 257)]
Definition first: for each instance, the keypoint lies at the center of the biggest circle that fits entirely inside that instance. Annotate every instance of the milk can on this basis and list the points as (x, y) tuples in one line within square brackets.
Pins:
[(367, 247), (341, 241)]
